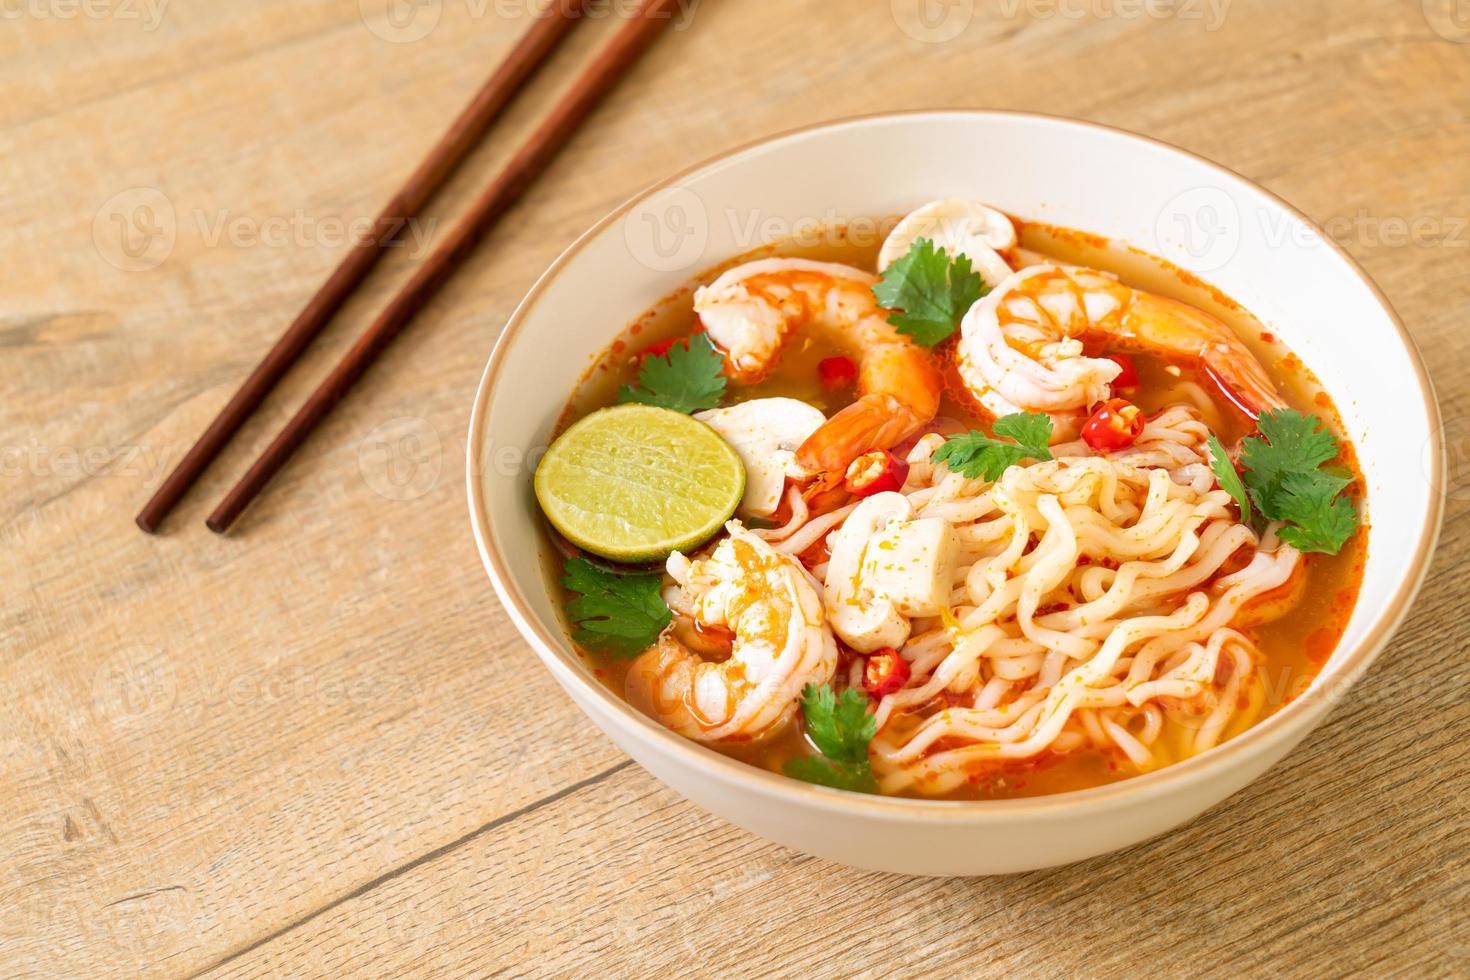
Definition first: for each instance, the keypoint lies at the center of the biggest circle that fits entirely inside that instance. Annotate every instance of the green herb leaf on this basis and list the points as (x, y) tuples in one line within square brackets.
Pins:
[(841, 729), (1319, 519), (689, 378), (978, 456), (928, 293), (618, 614), (857, 778), (1230, 482), (1031, 430), (1289, 478), (1290, 442)]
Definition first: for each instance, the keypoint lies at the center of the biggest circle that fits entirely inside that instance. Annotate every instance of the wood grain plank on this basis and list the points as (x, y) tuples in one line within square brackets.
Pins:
[(623, 878)]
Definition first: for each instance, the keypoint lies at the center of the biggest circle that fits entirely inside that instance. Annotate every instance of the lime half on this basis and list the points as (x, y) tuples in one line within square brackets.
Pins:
[(633, 483)]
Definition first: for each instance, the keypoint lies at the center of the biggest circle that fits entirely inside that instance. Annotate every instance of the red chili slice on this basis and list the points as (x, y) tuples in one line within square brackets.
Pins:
[(885, 672), (660, 349), (837, 373), (876, 472), (1115, 425), (1129, 376)]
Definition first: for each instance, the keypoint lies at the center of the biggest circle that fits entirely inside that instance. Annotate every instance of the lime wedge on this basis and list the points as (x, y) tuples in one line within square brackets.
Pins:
[(633, 483)]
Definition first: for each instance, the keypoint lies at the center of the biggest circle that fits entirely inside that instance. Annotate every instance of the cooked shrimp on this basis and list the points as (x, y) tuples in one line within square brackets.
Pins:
[(781, 643), (753, 310), (1020, 347)]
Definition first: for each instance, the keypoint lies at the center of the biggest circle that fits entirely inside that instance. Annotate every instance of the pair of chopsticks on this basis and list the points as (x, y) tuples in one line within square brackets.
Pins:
[(550, 27)]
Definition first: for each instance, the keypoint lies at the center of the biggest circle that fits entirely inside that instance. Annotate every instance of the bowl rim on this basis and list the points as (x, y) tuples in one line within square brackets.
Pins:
[(763, 782)]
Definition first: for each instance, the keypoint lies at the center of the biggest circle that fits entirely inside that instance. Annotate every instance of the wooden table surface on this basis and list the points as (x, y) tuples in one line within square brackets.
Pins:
[(318, 747)]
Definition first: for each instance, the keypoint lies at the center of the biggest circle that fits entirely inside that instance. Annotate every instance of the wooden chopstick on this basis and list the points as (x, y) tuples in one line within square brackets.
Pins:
[(631, 40), (533, 50)]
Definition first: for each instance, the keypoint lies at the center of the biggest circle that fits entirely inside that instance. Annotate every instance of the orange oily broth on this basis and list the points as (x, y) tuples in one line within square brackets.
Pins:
[(1294, 648)]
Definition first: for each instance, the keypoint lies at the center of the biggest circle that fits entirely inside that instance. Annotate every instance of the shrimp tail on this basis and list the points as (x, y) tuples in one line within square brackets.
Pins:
[(1245, 385), (874, 421), (1168, 325)]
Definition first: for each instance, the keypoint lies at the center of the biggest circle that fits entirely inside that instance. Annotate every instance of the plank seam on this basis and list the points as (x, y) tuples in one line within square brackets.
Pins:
[(417, 862)]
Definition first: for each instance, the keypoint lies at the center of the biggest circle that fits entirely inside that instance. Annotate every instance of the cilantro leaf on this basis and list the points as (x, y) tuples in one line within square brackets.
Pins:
[(1030, 429), (1292, 443), (857, 778), (841, 729), (618, 614), (690, 377), (1320, 520), (1288, 474), (976, 455), (928, 293), (1230, 481)]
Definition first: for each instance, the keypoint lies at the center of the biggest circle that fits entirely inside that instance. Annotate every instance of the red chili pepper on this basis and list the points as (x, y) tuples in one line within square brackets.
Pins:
[(1129, 376), (837, 372), (1115, 425), (885, 672), (876, 472), (660, 349)]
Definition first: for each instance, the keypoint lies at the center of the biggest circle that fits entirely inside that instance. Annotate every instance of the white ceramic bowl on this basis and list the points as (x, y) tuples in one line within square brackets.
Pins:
[(1236, 236)]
